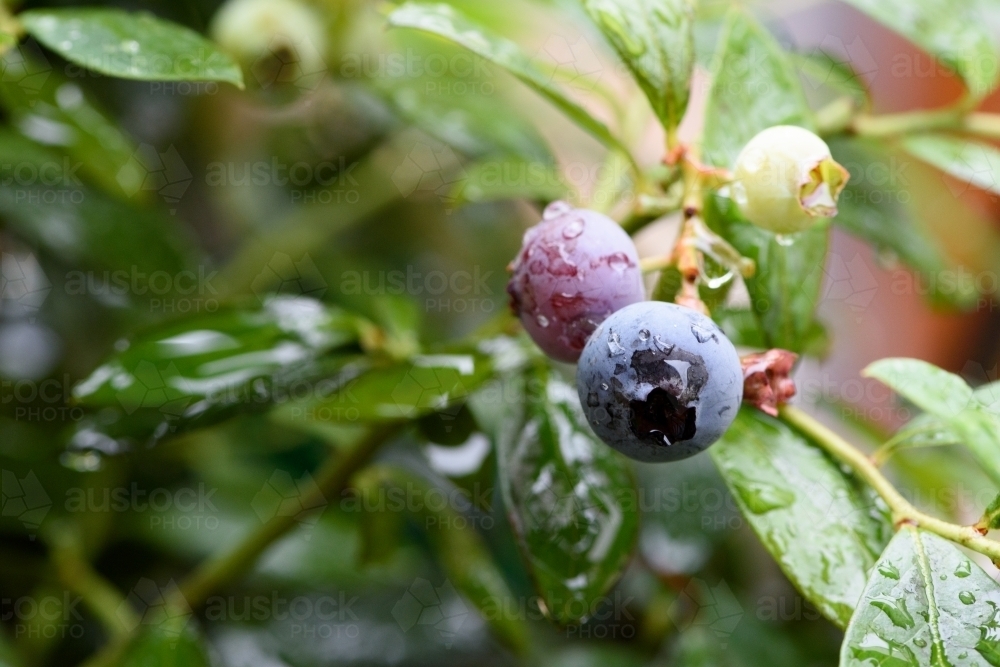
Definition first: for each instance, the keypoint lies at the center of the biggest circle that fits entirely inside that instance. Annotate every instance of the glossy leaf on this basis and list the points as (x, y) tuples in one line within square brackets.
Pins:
[(971, 162), (234, 357), (754, 86), (926, 603), (445, 21), (871, 207), (655, 40), (408, 389), (130, 45), (474, 126), (461, 551), (956, 32), (924, 430), (56, 112), (785, 288), (568, 499), (948, 397), (824, 533)]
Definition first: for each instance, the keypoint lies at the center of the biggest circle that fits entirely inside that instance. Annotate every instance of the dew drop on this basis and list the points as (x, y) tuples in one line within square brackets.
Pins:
[(556, 209), (966, 597), (644, 334), (543, 321), (784, 240), (702, 334), (888, 570), (919, 643), (572, 230), (963, 570), (604, 386), (614, 345), (619, 261)]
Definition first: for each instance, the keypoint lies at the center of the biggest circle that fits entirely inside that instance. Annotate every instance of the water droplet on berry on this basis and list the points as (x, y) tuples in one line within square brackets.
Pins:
[(702, 334), (572, 230), (604, 386), (644, 334), (556, 209), (614, 345), (619, 261), (593, 400), (543, 321)]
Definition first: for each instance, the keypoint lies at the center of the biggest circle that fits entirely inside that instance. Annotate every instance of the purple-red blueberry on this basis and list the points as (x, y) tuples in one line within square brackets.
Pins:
[(574, 269)]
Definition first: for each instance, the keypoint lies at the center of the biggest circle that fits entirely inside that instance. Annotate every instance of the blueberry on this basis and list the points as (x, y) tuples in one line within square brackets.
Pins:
[(574, 269), (659, 382)]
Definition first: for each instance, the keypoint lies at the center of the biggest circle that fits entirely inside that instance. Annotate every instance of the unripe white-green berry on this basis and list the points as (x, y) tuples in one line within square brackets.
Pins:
[(785, 180), (287, 32)]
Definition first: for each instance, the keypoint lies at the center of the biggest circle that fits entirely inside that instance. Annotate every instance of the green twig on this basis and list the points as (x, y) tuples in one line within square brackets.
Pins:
[(902, 511), (98, 594), (331, 479)]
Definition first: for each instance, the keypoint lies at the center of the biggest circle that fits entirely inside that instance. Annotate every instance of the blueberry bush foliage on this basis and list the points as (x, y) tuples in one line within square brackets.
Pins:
[(263, 401)]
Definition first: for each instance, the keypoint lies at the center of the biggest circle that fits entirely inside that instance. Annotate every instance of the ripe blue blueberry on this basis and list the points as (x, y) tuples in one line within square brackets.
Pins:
[(575, 268), (659, 382)]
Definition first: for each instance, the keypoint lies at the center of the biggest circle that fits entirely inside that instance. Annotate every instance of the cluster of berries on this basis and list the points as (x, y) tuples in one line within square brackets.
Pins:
[(657, 381)]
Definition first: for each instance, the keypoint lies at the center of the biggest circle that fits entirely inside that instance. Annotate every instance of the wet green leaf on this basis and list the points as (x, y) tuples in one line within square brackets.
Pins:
[(461, 551), (785, 288), (956, 32), (233, 357), (474, 126), (754, 86), (924, 430), (926, 603), (971, 162), (948, 397), (570, 498), (409, 389), (447, 22), (55, 111), (655, 40), (872, 207), (824, 533), (130, 45)]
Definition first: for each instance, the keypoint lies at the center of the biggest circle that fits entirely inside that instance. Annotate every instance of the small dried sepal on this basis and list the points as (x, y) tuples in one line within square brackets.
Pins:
[(766, 379)]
